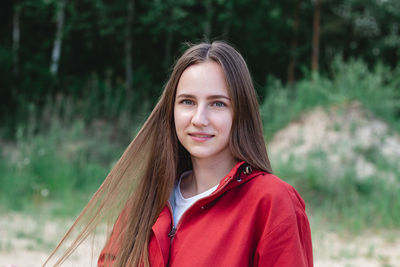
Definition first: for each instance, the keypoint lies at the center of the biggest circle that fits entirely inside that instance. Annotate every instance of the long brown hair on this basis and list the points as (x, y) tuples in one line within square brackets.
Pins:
[(143, 178)]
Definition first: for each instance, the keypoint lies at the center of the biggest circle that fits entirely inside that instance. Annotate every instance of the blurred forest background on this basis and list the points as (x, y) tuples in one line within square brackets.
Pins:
[(78, 78)]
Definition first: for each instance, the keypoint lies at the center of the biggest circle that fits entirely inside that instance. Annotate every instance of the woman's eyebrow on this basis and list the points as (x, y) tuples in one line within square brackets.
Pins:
[(218, 97), (185, 96), (208, 97)]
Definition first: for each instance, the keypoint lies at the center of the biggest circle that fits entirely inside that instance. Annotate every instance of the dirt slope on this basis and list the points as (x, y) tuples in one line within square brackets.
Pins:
[(348, 135)]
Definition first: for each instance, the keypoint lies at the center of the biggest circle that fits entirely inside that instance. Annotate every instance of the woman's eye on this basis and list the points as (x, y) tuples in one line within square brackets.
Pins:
[(219, 104), (187, 102)]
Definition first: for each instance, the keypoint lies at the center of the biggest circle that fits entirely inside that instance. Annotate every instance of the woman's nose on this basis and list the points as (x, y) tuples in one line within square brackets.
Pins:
[(200, 117)]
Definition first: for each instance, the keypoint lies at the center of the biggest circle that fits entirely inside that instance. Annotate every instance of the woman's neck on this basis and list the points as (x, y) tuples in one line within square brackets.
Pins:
[(206, 174)]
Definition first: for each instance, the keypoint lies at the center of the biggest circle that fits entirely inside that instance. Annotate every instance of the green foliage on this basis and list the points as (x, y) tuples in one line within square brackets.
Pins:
[(377, 89), (94, 39), (59, 165)]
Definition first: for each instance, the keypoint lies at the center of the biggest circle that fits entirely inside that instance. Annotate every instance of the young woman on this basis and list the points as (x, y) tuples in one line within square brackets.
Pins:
[(195, 187)]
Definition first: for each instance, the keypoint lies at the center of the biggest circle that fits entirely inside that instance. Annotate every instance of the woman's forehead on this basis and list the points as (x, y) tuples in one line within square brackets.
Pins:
[(203, 79)]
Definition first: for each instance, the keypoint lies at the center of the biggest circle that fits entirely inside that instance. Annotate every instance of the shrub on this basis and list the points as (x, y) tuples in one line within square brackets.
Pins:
[(378, 90)]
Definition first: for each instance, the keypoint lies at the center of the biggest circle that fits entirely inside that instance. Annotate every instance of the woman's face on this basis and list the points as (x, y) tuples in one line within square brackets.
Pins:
[(203, 112)]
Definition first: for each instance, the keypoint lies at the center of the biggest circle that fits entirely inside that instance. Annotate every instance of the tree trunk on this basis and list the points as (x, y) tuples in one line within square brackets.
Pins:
[(227, 25), (16, 33), (207, 25), (316, 36), (128, 49), (55, 55), (293, 46), (168, 49)]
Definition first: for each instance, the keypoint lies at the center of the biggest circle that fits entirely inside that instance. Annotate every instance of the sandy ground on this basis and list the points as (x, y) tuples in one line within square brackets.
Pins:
[(368, 249), (27, 241)]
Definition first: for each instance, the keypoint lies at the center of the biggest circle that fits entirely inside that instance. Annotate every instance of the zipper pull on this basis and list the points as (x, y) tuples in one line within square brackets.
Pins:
[(172, 233)]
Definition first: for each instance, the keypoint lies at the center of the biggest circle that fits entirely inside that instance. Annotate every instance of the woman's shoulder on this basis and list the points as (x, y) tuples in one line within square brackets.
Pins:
[(272, 190)]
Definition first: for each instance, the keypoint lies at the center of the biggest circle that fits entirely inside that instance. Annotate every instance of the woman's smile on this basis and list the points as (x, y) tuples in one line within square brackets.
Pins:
[(201, 137)]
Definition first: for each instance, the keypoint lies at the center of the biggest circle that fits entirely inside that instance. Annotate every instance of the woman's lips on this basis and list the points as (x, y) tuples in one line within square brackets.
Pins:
[(201, 137)]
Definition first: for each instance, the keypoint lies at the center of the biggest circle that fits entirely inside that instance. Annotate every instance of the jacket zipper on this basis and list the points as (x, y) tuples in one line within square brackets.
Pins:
[(171, 234)]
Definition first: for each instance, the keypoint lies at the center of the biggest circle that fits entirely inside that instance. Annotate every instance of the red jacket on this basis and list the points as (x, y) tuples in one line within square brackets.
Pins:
[(251, 219)]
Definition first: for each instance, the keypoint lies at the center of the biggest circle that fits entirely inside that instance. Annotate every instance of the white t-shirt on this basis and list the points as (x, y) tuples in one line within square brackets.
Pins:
[(180, 204)]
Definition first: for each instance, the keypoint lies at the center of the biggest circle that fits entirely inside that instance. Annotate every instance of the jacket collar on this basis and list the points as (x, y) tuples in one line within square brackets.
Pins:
[(240, 173)]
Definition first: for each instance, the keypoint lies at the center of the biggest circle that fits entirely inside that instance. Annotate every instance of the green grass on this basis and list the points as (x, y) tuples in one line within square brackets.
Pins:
[(60, 165), (377, 89), (61, 153)]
